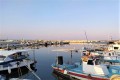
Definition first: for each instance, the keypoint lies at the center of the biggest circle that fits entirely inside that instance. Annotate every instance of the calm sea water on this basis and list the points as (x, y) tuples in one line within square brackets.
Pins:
[(45, 57)]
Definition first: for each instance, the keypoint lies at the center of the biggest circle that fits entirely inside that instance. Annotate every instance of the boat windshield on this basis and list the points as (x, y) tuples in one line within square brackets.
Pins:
[(116, 48), (94, 62), (97, 62), (18, 55), (90, 62)]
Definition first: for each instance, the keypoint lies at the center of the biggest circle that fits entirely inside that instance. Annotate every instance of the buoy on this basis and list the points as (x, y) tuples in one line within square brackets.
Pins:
[(9, 70), (65, 71)]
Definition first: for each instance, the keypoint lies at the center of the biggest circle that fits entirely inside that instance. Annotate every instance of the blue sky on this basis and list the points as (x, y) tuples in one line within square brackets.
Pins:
[(59, 19)]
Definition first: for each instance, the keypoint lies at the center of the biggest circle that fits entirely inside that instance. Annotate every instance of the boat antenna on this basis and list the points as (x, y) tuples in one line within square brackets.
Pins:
[(86, 36), (7, 47)]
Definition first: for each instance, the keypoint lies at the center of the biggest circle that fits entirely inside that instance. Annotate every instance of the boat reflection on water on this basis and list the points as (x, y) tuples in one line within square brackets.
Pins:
[(21, 73), (60, 76)]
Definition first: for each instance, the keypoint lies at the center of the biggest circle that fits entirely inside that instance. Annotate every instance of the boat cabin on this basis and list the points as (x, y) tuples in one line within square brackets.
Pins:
[(13, 55), (94, 67), (93, 62), (114, 47)]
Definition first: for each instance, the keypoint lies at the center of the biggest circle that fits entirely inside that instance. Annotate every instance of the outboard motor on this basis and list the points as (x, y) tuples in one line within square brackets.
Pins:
[(60, 60)]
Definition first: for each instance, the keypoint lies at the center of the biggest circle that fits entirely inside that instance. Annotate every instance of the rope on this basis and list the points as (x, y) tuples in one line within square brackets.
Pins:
[(19, 70), (33, 73)]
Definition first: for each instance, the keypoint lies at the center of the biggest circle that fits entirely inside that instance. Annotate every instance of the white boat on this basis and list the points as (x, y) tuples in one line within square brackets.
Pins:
[(114, 47), (14, 59), (88, 69), (111, 56)]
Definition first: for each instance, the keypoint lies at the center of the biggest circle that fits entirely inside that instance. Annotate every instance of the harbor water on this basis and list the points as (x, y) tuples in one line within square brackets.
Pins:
[(45, 57)]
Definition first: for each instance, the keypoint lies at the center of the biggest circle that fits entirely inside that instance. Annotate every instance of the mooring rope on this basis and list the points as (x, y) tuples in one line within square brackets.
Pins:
[(33, 73), (19, 70)]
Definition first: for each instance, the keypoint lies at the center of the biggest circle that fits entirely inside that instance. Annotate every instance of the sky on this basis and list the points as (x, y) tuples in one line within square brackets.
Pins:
[(59, 19)]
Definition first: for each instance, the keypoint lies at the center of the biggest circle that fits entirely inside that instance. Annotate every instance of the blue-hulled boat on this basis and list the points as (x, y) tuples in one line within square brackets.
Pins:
[(87, 68)]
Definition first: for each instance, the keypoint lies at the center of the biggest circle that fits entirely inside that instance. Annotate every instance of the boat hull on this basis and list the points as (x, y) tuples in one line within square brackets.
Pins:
[(115, 59), (5, 71), (16, 74), (60, 75), (78, 75), (85, 76)]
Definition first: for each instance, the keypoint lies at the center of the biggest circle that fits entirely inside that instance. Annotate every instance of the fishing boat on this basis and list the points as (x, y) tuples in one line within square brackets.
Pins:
[(14, 59), (111, 56), (112, 53), (87, 69)]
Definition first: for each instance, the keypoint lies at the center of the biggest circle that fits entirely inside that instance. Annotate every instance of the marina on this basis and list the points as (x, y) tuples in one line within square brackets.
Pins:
[(42, 56), (45, 57), (59, 40)]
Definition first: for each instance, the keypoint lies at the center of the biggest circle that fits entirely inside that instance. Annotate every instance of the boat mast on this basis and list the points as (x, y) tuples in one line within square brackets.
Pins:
[(86, 36)]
